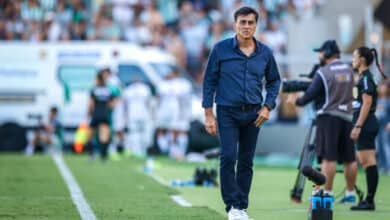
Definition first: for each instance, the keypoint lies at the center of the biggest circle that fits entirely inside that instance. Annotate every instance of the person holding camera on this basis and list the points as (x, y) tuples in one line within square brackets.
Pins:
[(366, 124), (331, 91)]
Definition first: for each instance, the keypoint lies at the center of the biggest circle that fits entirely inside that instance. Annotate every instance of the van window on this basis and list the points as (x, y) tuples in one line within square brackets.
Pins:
[(127, 73), (162, 69), (77, 77)]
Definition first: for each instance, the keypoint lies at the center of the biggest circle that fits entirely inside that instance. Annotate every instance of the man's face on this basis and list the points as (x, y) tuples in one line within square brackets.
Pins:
[(245, 26)]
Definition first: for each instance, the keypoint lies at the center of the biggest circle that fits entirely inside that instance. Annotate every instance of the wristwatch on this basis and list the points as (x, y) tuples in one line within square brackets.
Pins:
[(268, 107), (358, 126)]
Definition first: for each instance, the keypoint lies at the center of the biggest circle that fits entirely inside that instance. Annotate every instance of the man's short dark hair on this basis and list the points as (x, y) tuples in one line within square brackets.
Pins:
[(100, 76), (54, 109), (245, 11)]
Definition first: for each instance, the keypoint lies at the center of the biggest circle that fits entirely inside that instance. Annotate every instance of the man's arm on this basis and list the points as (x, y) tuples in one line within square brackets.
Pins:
[(210, 82), (364, 111), (272, 83), (272, 86), (315, 89)]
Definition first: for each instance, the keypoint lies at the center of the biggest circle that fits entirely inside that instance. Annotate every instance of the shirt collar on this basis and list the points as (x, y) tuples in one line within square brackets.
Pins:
[(366, 72), (335, 60), (257, 43)]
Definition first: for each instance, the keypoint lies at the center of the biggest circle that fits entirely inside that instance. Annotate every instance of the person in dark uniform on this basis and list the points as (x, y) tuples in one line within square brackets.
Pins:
[(100, 106), (331, 91), (366, 124), (233, 77)]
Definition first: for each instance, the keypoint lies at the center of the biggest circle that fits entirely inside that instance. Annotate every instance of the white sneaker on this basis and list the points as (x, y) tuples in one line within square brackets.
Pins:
[(235, 214), (245, 215)]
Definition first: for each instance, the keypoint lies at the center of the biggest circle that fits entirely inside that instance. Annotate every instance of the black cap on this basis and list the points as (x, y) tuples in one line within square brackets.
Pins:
[(329, 45)]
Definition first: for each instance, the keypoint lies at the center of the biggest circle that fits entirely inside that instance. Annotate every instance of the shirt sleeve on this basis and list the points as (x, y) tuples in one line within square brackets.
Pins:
[(272, 82), (315, 89), (210, 80), (368, 86)]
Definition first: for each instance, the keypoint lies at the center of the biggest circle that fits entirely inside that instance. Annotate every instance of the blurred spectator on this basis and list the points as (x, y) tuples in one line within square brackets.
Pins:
[(3, 32), (217, 33), (80, 12), (174, 45), (108, 30), (263, 20), (14, 23), (168, 10), (193, 30), (32, 11), (138, 33), (383, 114), (47, 5), (53, 28), (122, 11), (152, 17), (48, 135), (78, 31), (33, 31), (137, 105), (274, 37), (63, 15)]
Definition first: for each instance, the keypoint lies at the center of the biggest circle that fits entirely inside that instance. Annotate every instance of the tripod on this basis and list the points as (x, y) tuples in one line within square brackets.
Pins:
[(306, 159)]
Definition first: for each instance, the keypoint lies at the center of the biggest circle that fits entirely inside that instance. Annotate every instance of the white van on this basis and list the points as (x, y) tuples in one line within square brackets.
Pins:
[(26, 72), (34, 77)]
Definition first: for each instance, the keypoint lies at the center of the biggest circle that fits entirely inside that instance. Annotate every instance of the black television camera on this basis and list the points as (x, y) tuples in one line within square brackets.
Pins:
[(299, 85)]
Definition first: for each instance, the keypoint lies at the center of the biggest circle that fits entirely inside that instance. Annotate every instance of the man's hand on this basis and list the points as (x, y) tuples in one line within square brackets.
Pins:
[(388, 127), (263, 115), (292, 98), (211, 122), (355, 133)]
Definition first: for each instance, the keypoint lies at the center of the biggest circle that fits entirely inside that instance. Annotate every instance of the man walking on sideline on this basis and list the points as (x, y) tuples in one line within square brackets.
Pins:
[(234, 76)]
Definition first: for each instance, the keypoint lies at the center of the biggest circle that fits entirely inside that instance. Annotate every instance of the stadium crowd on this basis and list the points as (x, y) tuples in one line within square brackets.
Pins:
[(188, 29)]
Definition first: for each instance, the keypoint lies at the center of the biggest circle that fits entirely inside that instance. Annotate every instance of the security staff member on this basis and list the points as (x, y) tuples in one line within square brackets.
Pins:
[(234, 74), (366, 124), (331, 89)]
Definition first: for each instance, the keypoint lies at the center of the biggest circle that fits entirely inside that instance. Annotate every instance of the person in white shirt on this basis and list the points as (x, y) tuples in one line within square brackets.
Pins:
[(181, 126), (167, 113), (136, 99)]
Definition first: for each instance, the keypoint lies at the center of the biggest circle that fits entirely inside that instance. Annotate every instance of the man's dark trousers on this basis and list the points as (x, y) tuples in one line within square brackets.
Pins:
[(238, 137)]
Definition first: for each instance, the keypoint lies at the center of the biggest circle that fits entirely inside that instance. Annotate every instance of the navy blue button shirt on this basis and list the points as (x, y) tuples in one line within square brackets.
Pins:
[(234, 79)]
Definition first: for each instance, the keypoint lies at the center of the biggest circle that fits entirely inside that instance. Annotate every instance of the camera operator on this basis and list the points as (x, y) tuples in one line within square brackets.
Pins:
[(331, 90)]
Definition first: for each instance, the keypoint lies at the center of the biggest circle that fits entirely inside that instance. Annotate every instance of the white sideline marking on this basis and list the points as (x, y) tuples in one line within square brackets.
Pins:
[(176, 198), (78, 198), (179, 200), (159, 179)]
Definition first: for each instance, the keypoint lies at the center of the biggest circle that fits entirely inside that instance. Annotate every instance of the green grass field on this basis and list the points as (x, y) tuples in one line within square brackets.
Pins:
[(32, 188)]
